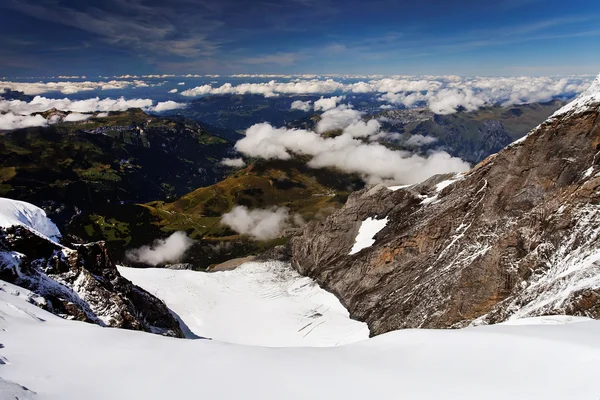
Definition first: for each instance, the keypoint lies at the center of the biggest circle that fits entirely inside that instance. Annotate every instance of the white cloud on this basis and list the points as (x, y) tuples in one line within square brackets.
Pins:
[(181, 83), (420, 140), (10, 121), (162, 251), (15, 114), (261, 224), (75, 117), (373, 161), (443, 94), (233, 162), (337, 118), (173, 91), (41, 104), (34, 88), (167, 106), (301, 105), (325, 104)]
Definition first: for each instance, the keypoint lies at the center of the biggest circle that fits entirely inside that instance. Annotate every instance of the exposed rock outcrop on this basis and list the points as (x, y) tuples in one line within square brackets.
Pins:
[(519, 235), (81, 283)]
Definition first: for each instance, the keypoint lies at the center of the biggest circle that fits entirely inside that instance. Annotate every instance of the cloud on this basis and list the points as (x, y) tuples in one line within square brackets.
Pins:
[(325, 104), (442, 94), (41, 104), (75, 117), (373, 161), (338, 118), (10, 121), (162, 251), (420, 140), (173, 91), (260, 224), (35, 88), (181, 83), (16, 114), (301, 105), (233, 162), (166, 106)]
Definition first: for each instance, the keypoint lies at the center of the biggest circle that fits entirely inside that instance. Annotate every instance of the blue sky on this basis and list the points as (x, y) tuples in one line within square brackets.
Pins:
[(465, 37)]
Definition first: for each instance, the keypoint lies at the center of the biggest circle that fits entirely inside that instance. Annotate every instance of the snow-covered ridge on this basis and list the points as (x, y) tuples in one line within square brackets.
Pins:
[(20, 213), (589, 98)]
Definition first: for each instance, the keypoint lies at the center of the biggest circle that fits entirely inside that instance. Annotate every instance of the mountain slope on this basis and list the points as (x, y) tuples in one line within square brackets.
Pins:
[(519, 235), (122, 157)]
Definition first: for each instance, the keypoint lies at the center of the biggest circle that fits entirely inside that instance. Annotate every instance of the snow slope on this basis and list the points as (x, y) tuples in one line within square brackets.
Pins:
[(14, 212), (258, 303), (61, 359)]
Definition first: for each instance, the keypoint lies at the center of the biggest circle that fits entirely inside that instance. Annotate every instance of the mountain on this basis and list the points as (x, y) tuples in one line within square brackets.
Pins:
[(516, 236), (123, 157), (74, 281), (470, 135)]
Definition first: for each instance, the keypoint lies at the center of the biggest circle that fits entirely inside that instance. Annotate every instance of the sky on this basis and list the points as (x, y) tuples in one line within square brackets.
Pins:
[(463, 37)]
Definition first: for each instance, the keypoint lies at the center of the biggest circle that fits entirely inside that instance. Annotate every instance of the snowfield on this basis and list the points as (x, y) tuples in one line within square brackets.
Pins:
[(258, 303), (14, 213), (60, 359)]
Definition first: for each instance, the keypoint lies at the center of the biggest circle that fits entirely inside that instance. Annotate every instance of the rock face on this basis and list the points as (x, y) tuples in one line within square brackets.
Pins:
[(80, 283), (519, 235)]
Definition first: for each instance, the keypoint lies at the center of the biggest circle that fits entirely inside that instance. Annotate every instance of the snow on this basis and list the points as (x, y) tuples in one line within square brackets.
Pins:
[(588, 172), (444, 184), (70, 360), (367, 231), (589, 98), (258, 303), (14, 213), (394, 188)]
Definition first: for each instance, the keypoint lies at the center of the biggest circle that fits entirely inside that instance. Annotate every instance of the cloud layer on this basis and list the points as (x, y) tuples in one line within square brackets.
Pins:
[(443, 95), (351, 151), (162, 251), (67, 87), (261, 224), (15, 114)]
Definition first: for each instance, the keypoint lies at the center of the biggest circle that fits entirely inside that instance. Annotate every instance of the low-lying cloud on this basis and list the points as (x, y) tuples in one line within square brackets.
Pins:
[(351, 151), (35, 88), (442, 94), (233, 162), (162, 251), (261, 224), (16, 114), (301, 105)]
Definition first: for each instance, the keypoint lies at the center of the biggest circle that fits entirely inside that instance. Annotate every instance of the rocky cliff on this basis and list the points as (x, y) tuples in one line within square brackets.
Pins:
[(516, 236), (78, 282)]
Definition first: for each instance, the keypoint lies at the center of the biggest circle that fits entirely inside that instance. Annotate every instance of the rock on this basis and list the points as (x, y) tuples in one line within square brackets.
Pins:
[(81, 283), (517, 236)]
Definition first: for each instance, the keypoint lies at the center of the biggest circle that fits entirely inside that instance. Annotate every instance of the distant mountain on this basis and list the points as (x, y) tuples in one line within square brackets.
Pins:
[(517, 236), (125, 157), (470, 135)]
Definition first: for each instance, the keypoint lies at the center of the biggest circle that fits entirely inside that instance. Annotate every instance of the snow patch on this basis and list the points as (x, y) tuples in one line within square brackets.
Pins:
[(366, 233)]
